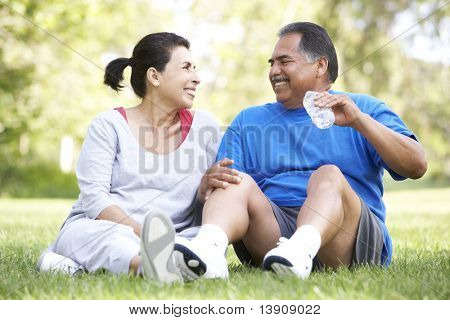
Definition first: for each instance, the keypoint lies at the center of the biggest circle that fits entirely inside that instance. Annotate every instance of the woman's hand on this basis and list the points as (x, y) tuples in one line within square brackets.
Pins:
[(217, 176)]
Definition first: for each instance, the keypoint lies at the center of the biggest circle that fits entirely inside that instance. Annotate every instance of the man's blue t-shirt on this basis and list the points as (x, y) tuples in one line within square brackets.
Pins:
[(280, 149)]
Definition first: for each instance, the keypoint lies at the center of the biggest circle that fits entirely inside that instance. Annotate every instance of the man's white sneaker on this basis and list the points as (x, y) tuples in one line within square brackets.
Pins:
[(53, 262), (287, 259), (157, 243), (195, 258)]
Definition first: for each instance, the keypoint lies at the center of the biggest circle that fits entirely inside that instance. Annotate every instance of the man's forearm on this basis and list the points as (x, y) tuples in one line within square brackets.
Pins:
[(117, 215), (402, 154)]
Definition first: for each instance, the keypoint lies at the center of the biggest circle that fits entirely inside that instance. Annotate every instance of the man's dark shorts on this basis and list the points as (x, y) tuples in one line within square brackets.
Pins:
[(368, 245)]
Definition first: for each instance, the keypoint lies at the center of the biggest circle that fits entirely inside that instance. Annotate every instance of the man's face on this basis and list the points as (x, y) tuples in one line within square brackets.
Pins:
[(290, 74)]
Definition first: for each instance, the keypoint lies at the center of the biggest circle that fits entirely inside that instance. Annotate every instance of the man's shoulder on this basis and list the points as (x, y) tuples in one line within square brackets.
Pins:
[(259, 111), (365, 102), (361, 97)]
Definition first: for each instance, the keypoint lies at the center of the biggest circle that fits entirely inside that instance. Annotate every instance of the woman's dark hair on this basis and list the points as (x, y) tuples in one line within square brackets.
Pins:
[(315, 44), (152, 51)]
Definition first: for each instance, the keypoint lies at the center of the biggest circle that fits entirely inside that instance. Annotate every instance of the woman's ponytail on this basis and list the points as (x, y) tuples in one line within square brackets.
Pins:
[(114, 73)]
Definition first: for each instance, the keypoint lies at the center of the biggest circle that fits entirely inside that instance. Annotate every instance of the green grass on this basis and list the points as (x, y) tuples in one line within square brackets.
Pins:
[(419, 221)]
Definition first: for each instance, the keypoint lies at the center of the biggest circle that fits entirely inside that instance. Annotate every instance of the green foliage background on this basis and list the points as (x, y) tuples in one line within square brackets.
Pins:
[(52, 56)]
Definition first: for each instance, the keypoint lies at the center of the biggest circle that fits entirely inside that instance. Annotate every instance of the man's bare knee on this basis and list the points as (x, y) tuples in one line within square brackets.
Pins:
[(241, 193), (247, 180), (247, 184), (242, 188), (327, 170), (328, 177)]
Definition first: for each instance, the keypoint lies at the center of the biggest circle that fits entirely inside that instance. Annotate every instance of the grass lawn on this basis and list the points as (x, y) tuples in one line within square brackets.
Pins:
[(419, 222)]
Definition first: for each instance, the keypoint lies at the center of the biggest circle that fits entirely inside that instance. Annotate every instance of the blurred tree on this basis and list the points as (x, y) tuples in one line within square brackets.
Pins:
[(52, 59), (52, 56), (372, 60)]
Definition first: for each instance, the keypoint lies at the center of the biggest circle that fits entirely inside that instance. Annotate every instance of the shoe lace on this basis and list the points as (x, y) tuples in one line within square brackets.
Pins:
[(282, 241)]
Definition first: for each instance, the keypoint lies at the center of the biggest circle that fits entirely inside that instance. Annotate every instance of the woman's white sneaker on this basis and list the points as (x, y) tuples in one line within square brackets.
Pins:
[(53, 262), (157, 244)]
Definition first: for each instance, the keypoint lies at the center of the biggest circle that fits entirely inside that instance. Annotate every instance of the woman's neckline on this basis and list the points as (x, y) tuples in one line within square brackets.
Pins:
[(181, 146)]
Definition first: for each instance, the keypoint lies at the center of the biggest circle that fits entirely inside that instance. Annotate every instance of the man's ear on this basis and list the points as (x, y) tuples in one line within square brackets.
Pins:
[(153, 77), (322, 67)]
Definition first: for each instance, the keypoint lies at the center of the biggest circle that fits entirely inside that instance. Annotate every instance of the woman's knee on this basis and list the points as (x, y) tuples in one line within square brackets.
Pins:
[(99, 244)]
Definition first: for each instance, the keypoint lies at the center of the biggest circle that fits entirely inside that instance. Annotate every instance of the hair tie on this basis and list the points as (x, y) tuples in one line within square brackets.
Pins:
[(131, 62)]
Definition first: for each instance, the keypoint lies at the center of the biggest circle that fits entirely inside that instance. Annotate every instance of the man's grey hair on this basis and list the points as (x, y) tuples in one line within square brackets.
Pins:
[(315, 44)]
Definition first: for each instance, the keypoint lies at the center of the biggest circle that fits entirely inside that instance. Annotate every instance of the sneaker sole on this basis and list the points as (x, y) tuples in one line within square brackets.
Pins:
[(279, 265), (157, 244), (189, 264)]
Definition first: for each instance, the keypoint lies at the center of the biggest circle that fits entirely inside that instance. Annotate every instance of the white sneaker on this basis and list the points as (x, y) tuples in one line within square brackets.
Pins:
[(53, 262), (287, 259), (195, 258), (157, 243)]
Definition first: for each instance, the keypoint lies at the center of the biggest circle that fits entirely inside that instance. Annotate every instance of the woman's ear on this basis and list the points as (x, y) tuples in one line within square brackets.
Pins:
[(153, 77), (322, 67)]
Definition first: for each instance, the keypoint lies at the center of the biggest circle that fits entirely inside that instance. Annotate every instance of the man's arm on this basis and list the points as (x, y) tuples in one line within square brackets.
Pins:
[(402, 154)]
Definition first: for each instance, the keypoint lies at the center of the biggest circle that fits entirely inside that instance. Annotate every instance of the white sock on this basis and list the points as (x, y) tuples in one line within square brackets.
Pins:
[(214, 235), (307, 237)]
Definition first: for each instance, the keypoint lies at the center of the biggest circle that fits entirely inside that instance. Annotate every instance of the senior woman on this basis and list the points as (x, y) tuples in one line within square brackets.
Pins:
[(143, 171)]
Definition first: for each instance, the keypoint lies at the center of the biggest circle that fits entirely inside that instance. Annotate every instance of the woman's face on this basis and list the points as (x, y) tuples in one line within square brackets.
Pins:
[(179, 79)]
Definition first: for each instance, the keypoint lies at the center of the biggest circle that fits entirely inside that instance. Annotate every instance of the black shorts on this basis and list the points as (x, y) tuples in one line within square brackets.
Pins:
[(368, 245)]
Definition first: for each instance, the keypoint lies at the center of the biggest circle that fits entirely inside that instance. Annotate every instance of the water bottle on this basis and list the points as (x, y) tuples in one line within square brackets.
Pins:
[(323, 118)]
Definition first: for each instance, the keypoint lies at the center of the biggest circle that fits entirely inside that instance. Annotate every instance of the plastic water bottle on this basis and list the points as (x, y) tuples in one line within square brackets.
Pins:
[(323, 118)]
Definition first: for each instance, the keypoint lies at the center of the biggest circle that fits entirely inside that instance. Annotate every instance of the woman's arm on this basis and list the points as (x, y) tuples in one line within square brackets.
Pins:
[(116, 214), (94, 171)]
